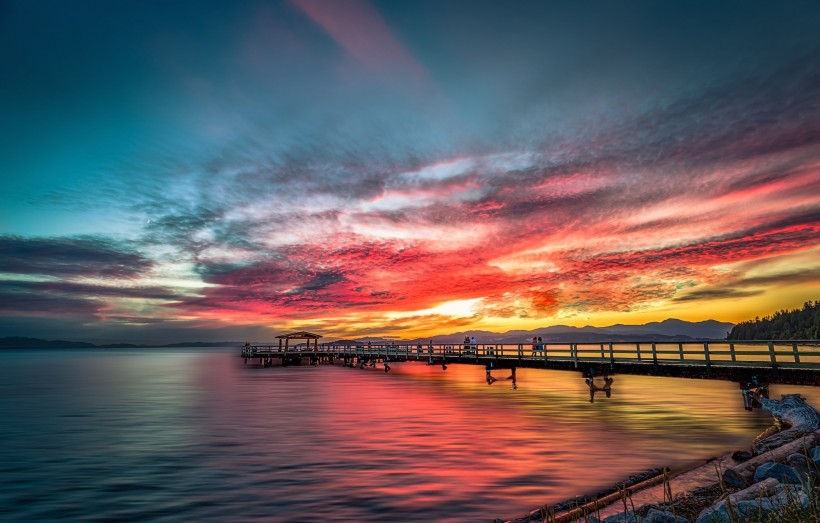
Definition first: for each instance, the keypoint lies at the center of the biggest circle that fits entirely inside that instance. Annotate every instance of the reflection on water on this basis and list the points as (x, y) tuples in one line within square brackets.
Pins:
[(193, 435)]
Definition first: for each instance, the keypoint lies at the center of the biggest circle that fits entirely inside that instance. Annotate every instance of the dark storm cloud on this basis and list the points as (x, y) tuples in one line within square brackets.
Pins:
[(718, 293), (751, 286), (270, 273), (806, 276), (88, 291), (765, 241), (12, 302), (71, 256), (320, 281)]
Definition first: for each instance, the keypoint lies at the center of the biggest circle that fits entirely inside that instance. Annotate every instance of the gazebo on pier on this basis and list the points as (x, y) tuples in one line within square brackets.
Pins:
[(301, 335)]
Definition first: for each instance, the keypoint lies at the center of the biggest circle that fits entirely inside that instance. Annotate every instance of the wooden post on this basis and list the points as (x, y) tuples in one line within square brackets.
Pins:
[(611, 355), (680, 350), (602, 351), (574, 348), (796, 354), (654, 355), (772, 355), (280, 344), (732, 351), (706, 356), (545, 354), (638, 347)]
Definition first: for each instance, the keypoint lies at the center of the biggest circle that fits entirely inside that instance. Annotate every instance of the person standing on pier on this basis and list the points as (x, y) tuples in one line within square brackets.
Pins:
[(540, 344), (473, 345), (534, 345)]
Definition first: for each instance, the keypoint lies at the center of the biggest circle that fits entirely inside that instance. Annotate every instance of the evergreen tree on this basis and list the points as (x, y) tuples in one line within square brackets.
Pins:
[(797, 324)]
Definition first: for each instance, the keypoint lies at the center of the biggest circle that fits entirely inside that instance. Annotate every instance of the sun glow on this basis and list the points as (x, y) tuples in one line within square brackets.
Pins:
[(453, 309)]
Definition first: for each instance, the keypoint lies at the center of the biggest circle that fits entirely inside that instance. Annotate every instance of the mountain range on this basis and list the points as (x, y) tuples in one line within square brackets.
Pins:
[(18, 342), (671, 329)]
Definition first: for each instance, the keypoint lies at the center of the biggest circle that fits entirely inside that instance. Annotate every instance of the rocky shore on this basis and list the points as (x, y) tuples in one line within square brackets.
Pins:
[(781, 469)]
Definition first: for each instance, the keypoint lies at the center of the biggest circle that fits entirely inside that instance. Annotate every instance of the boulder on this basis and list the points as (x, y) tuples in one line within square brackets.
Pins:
[(747, 468), (791, 492), (622, 517), (741, 455), (784, 495), (815, 455), (659, 516), (764, 489), (778, 471), (806, 470), (732, 478), (788, 494), (720, 514)]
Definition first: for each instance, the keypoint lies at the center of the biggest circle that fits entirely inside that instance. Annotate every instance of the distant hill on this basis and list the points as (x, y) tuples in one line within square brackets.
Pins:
[(797, 324), (671, 329), (16, 342)]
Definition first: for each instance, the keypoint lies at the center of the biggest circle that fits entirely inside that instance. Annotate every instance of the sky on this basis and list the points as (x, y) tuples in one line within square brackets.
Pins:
[(203, 170)]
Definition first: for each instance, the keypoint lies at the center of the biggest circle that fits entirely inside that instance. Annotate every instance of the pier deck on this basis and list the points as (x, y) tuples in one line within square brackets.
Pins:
[(788, 362)]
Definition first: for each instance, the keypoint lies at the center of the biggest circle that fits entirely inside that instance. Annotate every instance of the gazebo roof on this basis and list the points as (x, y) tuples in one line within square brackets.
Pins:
[(301, 335)]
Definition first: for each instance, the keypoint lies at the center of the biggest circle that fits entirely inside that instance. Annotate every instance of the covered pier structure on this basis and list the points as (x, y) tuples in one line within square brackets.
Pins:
[(754, 361)]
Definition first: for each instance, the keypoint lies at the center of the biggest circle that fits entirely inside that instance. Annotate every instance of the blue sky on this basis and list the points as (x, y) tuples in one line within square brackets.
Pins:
[(260, 166)]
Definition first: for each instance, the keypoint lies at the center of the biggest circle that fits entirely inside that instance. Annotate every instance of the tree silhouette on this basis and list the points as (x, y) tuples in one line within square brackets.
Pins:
[(797, 324)]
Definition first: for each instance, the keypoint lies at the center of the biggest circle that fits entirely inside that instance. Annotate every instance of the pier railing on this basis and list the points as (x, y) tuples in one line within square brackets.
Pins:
[(776, 354)]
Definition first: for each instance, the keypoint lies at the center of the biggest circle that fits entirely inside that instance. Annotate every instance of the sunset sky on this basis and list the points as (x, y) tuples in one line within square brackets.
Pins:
[(195, 170)]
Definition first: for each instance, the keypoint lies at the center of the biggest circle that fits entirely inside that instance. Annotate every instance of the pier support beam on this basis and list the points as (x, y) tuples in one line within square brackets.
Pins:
[(606, 388), (491, 379), (753, 390)]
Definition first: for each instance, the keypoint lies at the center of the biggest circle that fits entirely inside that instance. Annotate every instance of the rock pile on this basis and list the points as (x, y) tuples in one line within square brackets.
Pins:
[(784, 473), (781, 472), (775, 486)]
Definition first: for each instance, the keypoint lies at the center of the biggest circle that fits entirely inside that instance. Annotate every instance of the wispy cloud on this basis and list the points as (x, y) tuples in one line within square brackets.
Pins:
[(311, 172), (82, 256)]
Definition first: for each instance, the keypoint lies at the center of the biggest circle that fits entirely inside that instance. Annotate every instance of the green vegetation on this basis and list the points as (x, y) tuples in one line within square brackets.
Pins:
[(797, 324)]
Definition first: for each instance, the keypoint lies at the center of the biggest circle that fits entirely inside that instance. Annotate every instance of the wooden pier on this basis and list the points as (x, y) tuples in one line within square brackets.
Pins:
[(780, 361)]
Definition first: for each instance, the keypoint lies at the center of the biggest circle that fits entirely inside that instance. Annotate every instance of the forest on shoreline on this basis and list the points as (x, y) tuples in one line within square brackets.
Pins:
[(796, 324)]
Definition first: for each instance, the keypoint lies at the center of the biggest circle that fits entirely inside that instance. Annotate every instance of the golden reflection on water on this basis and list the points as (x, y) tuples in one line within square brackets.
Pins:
[(192, 435), (434, 435)]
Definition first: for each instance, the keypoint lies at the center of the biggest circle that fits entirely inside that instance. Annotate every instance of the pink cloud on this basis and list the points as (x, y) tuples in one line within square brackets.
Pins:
[(362, 32)]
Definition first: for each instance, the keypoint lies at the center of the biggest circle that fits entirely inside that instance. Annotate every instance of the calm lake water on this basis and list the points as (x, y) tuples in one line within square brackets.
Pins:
[(195, 435)]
